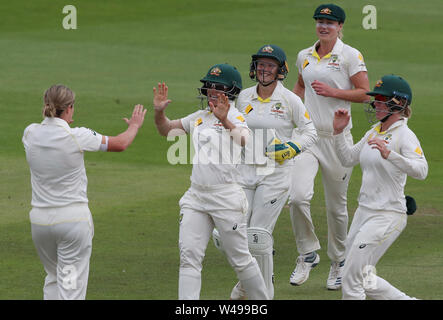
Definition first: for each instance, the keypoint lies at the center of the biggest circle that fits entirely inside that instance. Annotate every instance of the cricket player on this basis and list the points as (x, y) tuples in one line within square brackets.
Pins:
[(331, 76), (61, 222), (215, 199), (388, 153), (272, 112)]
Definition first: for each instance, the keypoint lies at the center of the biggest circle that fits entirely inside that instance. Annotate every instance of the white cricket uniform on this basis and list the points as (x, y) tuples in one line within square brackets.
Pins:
[(381, 214), (265, 181), (335, 69), (61, 222), (214, 200)]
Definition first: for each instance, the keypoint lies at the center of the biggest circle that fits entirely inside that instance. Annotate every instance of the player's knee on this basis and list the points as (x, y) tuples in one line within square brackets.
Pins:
[(190, 256), (299, 198)]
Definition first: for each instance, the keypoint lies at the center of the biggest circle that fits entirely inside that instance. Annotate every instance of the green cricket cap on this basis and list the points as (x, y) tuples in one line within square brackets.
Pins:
[(330, 12), (391, 85)]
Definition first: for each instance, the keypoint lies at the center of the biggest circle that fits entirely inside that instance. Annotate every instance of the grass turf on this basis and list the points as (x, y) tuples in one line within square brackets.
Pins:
[(118, 53)]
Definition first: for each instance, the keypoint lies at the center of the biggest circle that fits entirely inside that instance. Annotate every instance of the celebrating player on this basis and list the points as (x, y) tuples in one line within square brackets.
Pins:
[(272, 112), (61, 222), (214, 198), (388, 153), (331, 76)]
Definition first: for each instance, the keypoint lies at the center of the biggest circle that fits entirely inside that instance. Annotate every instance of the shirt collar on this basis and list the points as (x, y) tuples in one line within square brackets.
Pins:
[(396, 124), (336, 50), (55, 121), (274, 95)]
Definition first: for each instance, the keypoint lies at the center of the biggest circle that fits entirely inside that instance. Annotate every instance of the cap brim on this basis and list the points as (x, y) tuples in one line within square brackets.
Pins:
[(326, 16), (382, 93)]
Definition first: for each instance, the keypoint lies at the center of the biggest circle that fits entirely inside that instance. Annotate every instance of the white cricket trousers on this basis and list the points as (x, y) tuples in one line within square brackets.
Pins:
[(63, 239), (223, 207), (335, 179), (371, 234), (266, 193)]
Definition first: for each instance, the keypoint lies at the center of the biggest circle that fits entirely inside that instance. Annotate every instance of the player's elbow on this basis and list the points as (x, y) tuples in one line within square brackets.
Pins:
[(116, 144)]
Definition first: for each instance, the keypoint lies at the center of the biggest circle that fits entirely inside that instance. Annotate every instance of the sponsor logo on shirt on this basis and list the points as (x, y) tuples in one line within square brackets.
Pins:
[(334, 63), (248, 109), (277, 110), (305, 63)]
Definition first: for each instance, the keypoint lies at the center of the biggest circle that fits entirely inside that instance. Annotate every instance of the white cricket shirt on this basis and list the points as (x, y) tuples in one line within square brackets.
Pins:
[(54, 152), (383, 180), (278, 115), (216, 154), (335, 69)]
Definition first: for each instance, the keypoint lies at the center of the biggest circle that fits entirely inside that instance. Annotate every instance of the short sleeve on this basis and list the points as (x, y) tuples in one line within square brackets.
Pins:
[(25, 134), (356, 62), (88, 139), (237, 118), (189, 121), (299, 62)]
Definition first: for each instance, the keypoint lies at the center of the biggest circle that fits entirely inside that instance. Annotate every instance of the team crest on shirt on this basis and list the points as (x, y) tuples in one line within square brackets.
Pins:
[(334, 63), (388, 137), (278, 110), (218, 126)]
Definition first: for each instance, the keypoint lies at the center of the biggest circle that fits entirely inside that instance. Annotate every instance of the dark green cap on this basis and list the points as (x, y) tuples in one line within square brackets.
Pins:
[(392, 85), (330, 12), (271, 51), (225, 74)]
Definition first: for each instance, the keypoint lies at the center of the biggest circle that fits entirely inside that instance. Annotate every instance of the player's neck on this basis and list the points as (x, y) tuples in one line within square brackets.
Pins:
[(390, 121), (324, 47), (265, 92)]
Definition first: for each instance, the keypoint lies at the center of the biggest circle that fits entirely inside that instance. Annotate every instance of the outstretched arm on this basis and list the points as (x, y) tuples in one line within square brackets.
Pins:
[(161, 101), (123, 140)]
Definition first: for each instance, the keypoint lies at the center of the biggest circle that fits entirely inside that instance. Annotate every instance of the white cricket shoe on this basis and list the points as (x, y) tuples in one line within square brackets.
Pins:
[(335, 275), (238, 293), (304, 265)]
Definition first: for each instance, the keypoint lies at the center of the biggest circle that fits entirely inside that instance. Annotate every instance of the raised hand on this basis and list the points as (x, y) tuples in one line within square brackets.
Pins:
[(138, 116), (220, 108), (161, 100), (341, 120)]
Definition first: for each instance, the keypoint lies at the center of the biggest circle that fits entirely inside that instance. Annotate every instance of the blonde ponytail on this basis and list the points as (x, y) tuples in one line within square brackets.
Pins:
[(56, 99)]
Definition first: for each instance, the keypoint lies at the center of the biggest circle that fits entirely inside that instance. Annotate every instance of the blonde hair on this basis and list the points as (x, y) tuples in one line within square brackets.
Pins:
[(340, 33), (407, 112), (56, 100)]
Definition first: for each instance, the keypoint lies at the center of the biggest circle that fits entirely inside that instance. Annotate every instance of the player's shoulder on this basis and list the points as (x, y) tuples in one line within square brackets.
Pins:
[(82, 130), (31, 127), (306, 51), (405, 132), (247, 93), (289, 95), (351, 52)]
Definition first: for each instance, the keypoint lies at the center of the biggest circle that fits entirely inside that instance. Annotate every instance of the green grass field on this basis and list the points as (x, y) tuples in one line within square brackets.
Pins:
[(120, 50)]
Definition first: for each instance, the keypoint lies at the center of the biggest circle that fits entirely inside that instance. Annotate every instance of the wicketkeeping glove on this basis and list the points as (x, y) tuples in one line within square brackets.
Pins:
[(282, 151)]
